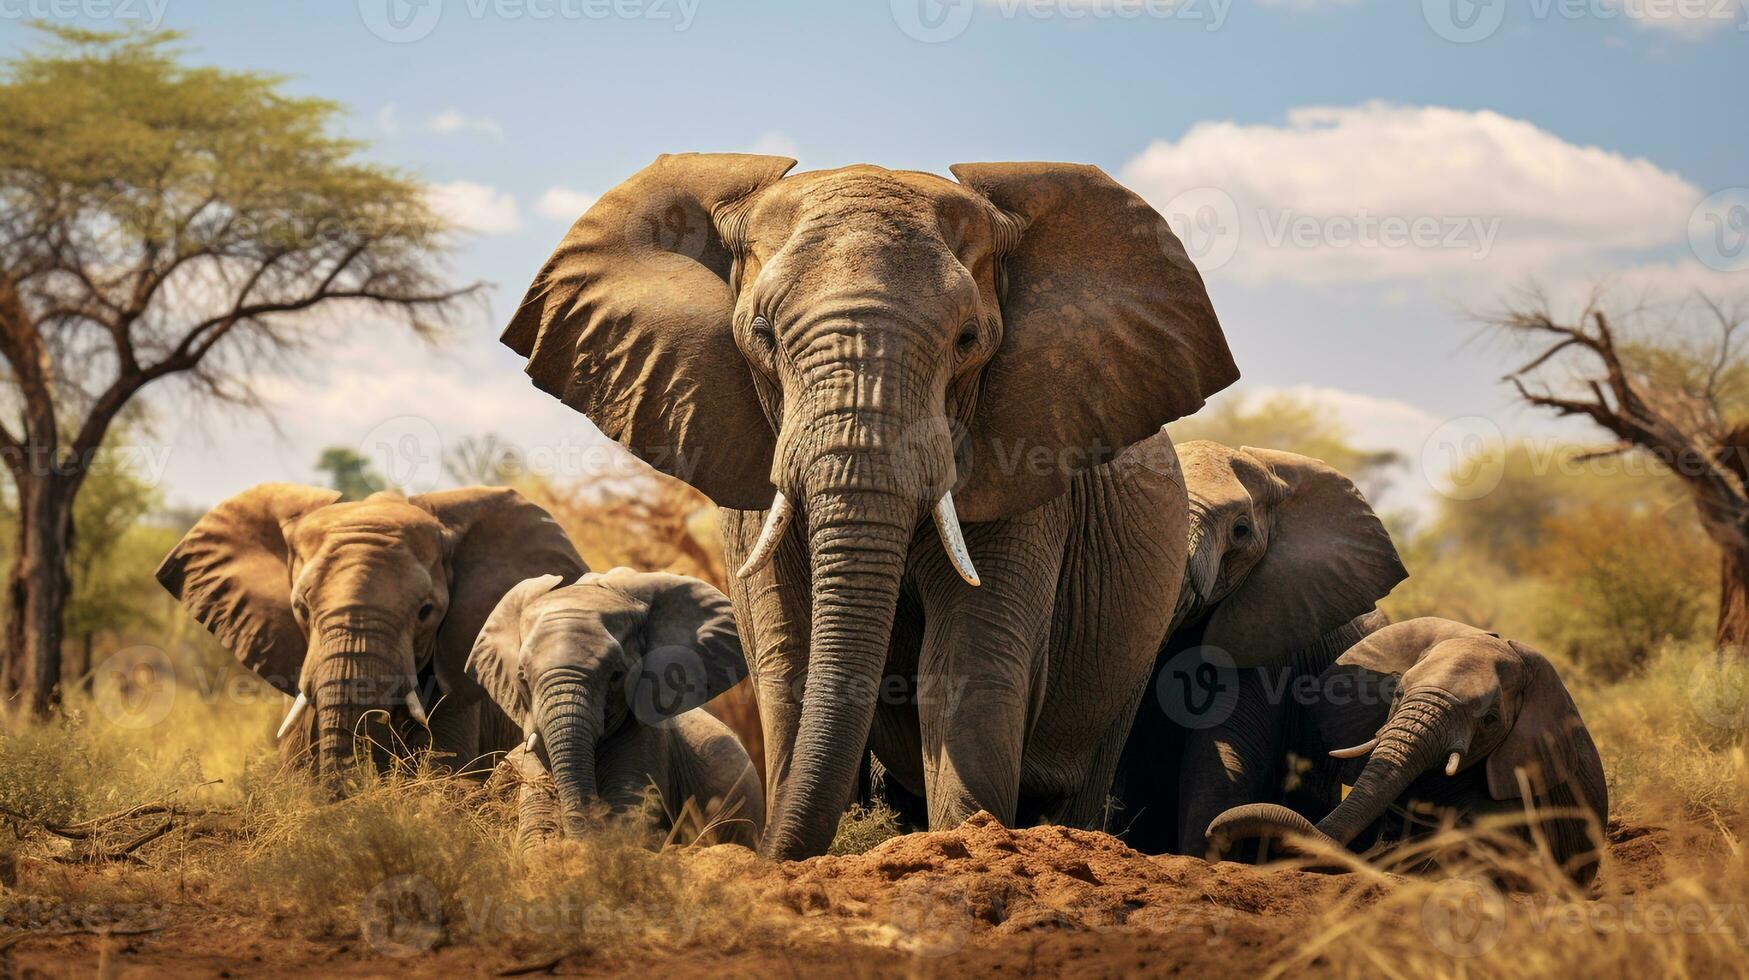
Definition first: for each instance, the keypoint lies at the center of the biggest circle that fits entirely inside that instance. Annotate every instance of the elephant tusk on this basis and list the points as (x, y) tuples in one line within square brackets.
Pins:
[(947, 523), (1451, 765), (291, 716), (416, 709), (1356, 751), (533, 740), (776, 520)]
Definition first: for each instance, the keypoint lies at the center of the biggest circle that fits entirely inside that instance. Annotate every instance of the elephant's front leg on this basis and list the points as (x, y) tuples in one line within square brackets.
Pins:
[(981, 667)]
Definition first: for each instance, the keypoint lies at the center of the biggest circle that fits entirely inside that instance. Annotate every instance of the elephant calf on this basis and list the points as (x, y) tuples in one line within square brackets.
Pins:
[(606, 677), (1438, 713)]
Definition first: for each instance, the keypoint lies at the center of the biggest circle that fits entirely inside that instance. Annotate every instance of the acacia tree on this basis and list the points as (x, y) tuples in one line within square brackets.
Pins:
[(166, 221), (1668, 381)]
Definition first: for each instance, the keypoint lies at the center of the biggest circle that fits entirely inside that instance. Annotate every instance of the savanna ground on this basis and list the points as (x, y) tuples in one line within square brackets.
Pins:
[(159, 834)]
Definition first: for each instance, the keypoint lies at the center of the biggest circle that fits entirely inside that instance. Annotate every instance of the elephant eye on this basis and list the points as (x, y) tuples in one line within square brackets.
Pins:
[(968, 338), (763, 332), (1241, 530), (425, 611)]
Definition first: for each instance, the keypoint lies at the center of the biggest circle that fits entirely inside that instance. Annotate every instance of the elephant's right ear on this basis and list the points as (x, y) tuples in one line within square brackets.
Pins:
[(495, 663), (1328, 560), (232, 572), (629, 323)]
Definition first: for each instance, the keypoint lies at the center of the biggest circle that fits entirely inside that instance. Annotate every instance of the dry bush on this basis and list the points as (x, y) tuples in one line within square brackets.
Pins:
[(1673, 738), (862, 828)]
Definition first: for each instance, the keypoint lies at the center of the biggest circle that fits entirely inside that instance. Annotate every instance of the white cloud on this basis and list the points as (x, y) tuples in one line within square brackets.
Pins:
[(564, 203), (452, 121), (774, 143), (1371, 422), (1380, 192), (387, 121), (475, 207)]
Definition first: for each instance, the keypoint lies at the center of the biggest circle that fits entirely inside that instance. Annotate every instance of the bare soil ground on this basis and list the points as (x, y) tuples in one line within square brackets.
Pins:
[(980, 900)]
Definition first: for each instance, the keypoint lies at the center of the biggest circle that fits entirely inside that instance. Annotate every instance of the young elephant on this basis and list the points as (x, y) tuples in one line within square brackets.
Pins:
[(1436, 712), (363, 608), (1286, 561), (606, 677)]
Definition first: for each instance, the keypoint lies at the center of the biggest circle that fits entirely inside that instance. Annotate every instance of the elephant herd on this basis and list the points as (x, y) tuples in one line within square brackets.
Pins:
[(968, 558)]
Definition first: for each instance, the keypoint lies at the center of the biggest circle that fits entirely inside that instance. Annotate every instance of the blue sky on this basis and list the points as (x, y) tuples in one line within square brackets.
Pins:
[(1567, 141)]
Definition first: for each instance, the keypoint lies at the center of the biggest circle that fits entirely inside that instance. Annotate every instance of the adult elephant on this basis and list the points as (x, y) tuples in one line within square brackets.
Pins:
[(1287, 561), (357, 608), (855, 350)]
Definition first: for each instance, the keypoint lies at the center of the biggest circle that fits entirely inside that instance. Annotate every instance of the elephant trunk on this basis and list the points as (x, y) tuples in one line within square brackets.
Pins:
[(352, 677), (858, 541), (570, 723), (1422, 730)]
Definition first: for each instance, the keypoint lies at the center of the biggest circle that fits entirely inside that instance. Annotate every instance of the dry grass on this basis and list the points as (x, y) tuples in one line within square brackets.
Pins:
[(863, 828), (415, 858)]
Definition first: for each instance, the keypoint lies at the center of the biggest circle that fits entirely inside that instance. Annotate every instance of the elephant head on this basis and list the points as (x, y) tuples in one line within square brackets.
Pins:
[(346, 604), (856, 349), (1283, 548), (1461, 697), (573, 664)]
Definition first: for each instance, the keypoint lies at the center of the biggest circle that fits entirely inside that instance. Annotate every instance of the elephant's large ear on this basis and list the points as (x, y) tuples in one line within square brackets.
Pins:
[(1108, 334), (1328, 560), (232, 572), (497, 539), (1399, 646), (1548, 741), (628, 323), (692, 651), (495, 662)]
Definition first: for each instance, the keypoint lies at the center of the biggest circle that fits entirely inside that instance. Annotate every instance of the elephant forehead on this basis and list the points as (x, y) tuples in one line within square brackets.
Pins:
[(1469, 666), (889, 202), (1211, 472), (388, 522)]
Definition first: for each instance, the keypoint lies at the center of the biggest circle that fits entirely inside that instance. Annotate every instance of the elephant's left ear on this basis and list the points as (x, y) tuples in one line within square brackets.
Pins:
[(495, 663), (1107, 334), (1548, 742), (499, 538), (1328, 560), (692, 651)]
